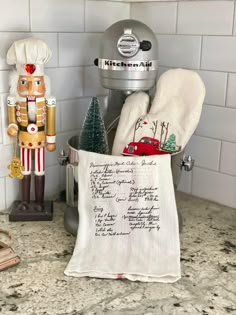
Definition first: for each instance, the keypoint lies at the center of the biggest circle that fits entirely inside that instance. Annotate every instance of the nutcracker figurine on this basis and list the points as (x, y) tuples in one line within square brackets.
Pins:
[(31, 115)]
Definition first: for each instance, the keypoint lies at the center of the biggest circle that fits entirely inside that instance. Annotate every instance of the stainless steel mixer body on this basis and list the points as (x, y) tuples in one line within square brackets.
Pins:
[(128, 59)]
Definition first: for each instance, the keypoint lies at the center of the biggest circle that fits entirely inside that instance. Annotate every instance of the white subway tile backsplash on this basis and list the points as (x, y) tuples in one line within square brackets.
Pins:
[(67, 83), (4, 81), (2, 194), (14, 15), (214, 186), (179, 51), (73, 113), (215, 83), (99, 15), (13, 190), (92, 85), (185, 182), (205, 152), (1, 119), (57, 16), (51, 158), (5, 159), (228, 158), (52, 181), (205, 17), (78, 49), (159, 16), (234, 30), (4, 119), (231, 91), (218, 53), (217, 122)]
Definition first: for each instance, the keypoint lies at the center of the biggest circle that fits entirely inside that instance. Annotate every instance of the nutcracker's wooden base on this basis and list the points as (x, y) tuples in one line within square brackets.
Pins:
[(31, 212)]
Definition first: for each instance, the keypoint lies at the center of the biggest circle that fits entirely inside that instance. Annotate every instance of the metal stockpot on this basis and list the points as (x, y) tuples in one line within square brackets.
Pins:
[(71, 218)]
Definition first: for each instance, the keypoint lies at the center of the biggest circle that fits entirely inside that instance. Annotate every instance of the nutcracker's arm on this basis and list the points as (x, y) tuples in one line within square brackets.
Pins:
[(12, 128), (51, 123)]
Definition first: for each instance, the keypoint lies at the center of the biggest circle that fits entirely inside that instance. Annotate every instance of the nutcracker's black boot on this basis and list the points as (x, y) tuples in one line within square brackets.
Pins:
[(39, 192), (24, 205)]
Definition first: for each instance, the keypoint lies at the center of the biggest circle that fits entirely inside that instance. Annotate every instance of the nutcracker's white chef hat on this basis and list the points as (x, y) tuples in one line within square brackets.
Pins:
[(29, 55)]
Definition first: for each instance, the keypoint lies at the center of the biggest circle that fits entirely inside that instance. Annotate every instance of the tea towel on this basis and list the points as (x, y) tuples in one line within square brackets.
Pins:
[(128, 224)]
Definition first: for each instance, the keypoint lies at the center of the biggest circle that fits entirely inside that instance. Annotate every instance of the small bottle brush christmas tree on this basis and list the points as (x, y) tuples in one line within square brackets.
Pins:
[(93, 136), (170, 144)]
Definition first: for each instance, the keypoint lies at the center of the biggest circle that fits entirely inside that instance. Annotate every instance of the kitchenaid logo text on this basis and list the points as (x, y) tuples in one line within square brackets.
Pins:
[(120, 65), (123, 64)]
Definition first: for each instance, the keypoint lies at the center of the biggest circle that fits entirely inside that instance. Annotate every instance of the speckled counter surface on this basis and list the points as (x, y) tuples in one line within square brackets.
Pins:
[(208, 261)]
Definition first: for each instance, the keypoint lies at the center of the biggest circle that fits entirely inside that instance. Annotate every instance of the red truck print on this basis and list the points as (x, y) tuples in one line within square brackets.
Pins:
[(145, 146)]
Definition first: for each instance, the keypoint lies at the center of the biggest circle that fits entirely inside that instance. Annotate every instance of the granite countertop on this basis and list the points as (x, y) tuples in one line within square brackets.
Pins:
[(208, 261)]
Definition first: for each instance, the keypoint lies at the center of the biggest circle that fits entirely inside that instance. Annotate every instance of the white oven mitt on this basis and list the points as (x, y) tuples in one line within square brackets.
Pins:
[(171, 120)]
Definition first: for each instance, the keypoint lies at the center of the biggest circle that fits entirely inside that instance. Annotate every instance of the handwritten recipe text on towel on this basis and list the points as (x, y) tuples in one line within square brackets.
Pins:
[(122, 186)]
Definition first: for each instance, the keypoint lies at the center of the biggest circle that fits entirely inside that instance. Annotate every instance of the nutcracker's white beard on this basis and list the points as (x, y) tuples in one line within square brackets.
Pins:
[(13, 80), (32, 111)]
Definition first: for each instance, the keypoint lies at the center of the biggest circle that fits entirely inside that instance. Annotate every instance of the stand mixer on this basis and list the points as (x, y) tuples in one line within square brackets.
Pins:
[(128, 62)]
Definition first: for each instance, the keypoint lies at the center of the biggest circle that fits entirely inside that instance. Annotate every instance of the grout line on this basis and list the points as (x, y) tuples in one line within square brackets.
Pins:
[(215, 70), (227, 141), (198, 34), (131, 15), (202, 69), (30, 16), (216, 105), (211, 138), (219, 106), (226, 90), (58, 51), (201, 49), (85, 9), (130, 4), (220, 155), (214, 171), (51, 32), (206, 137), (176, 18), (230, 107), (65, 67), (83, 82), (80, 97), (206, 70), (101, 32), (233, 24)]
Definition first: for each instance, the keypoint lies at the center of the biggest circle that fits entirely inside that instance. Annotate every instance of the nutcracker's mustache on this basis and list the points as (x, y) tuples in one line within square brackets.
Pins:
[(26, 93)]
